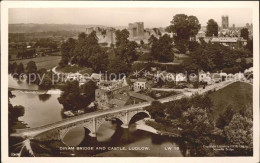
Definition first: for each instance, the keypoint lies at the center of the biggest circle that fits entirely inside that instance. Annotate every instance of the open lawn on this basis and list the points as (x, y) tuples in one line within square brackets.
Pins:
[(238, 94), (46, 62), (74, 69)]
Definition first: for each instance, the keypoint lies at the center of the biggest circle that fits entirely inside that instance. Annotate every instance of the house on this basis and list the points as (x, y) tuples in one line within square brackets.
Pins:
[(170, 77), (249, 70), (205, 77), (74, 76), (153, 69), (119, 100), (193, 77), (141, 84), (230, 77), (96, 77), (180, 77), (234, 42), (216, 77), (102, 98), (239, 76), (223, 76), (109, 98), (112, 84), (248, 73), (68, 113)]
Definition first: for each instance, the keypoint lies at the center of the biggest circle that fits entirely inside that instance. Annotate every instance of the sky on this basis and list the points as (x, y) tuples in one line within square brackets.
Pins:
[(152, 17)]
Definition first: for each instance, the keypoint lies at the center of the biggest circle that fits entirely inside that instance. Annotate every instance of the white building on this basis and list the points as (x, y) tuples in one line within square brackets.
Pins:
[(140, 84), (223, 75), (205, 77), (180, 77), (239, 76), (230, 77)]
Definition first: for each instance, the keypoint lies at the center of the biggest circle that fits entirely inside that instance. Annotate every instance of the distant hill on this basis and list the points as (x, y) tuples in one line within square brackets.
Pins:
[(31, 28)]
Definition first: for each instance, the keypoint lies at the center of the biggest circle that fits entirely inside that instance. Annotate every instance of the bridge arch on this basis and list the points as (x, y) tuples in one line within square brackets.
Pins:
[(87, 124), (133, 114), (108, 129), (75, 135)]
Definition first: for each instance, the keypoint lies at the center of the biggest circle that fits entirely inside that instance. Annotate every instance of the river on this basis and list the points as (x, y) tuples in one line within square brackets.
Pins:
[(44, 109)]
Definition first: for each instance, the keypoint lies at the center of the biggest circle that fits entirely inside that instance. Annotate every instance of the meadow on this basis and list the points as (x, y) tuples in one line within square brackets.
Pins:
[(46, 62), (239, 95)]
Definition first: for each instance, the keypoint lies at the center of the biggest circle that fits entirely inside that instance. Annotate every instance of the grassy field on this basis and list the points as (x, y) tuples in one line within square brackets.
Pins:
[(46, 62), (74, 69), (238, 95)]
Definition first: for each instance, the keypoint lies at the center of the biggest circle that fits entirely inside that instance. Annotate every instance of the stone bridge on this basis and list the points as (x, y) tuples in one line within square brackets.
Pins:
[(91, 121)]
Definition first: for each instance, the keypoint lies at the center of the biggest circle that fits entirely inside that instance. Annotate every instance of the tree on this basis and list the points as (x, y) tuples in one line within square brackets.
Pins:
[(193, 45), (244, 33), (20, 68), (240, 131), (182, 45), (67, 49), (74, 98), (117, 66), (201, 101), (225, 118), (121, 37), (196, 130), (152, 40), (31, 67), (18, 55), (88, 90), (184, 26), (99, 61), (126, 49), (31, 70), (12, 67), (146, 57), (87, 46), (63, 62), (46, 82), (249, 45), (162, 50), (156, 110), (175, 109), (14, 112), (70, 96), (142, 42), (212, 28), (199, 60)]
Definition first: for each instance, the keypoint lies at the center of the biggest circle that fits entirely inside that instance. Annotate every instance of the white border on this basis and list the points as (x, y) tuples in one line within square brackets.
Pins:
[(129, 4)]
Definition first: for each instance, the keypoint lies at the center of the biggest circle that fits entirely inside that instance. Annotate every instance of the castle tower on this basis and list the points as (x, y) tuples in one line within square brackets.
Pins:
[(225, 22)]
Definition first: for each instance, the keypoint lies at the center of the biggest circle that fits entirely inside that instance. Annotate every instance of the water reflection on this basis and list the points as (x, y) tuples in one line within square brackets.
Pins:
[(21, 84), (44, 97), (75, 136), (37, 111), (111, 134)]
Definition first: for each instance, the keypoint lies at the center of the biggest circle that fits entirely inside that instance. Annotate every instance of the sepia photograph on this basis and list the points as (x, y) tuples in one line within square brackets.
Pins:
[(131, 81)]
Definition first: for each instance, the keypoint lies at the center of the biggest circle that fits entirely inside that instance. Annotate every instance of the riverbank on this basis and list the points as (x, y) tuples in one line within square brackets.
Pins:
[(50, 92), (146, 125), (141, 125)]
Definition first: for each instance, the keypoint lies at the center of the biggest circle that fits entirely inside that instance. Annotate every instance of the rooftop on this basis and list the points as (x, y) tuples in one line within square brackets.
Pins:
[(141, 80), (140, 96), (226, 39)]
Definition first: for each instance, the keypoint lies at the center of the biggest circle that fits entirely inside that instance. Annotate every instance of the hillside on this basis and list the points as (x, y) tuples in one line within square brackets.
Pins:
[(30, 28), (238, 95)]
